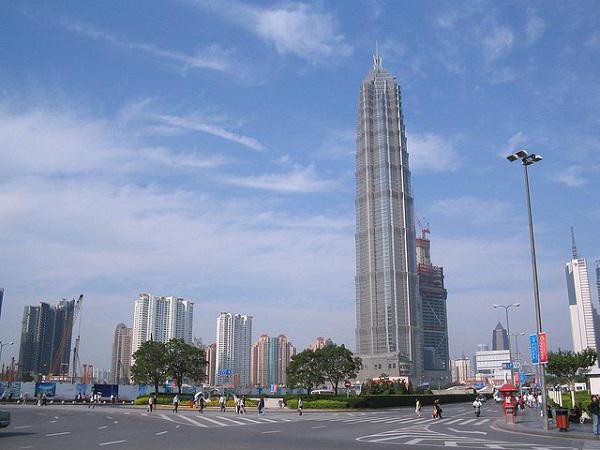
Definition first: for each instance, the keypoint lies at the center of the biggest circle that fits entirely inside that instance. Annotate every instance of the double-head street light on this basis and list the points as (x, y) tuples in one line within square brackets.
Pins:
[(506, 308), (527, 160)]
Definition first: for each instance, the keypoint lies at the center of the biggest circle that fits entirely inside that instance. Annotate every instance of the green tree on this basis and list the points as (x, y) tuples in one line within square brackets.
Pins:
[(150, 364), (304, 371), (337, 363), (566, 366), (184, 360)]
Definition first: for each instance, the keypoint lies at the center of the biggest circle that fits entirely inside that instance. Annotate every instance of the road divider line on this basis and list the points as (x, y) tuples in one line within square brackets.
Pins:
[(160, 433), (58, 434), (102, 444)]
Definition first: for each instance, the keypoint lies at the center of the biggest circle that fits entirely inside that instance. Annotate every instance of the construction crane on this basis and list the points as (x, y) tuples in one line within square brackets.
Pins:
[(424, 228), (59, 353), (76, 362)]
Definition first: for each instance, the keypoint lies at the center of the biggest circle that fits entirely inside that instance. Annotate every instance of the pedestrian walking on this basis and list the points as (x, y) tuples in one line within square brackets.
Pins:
[(222, 403), (243, 405), (175, 403), (261, 405), (201, 402), (418, 408), (595, 413), (300, 405), (437, 409), (237, 404), (477, 406), (151, 403)]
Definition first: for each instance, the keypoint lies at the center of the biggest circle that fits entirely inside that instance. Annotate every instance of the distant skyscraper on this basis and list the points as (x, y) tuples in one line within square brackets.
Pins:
[(320, 342), (461, 370), (161, 319), (234, 338), (436, 358), (388, 312), (1, 298), (584, 317), (483, 347), (270, 358), (500, 338), (120, 369), (43, 329), (211, 358)]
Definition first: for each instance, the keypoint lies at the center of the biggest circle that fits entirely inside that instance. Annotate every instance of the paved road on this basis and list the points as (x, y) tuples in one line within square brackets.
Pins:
[(77, 427)]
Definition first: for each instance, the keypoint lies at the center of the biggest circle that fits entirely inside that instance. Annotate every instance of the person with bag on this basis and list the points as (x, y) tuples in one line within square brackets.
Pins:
[(300, 405)]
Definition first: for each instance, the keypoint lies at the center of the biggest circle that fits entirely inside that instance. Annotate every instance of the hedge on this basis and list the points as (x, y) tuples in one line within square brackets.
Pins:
[(376, 401)]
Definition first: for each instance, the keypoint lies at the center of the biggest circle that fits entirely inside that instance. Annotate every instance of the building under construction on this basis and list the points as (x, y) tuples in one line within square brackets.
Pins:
[(436, 357)]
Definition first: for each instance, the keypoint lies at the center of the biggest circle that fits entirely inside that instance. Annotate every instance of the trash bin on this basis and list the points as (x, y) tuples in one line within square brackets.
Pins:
[(562, 419)]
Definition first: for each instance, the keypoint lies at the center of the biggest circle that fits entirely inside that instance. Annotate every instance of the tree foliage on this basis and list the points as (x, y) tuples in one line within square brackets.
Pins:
[(567, 365), (337, 363), (150, 364), (304, 371), (184, 360)]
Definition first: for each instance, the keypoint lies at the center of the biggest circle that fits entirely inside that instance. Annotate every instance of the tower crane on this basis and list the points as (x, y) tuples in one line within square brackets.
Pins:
[(59, 353)]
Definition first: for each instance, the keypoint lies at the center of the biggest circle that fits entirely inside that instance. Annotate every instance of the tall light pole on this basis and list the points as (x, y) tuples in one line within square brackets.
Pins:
[(527, 160), (506, 308), (516, 336)]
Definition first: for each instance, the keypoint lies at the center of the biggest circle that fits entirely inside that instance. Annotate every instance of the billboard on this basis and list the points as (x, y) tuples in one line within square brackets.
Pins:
[(45, 388)]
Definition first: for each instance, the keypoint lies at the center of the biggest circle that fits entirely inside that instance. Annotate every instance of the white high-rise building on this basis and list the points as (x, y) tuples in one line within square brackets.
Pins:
[(120, 369), (161, 319), (234, 339), (583, 314)]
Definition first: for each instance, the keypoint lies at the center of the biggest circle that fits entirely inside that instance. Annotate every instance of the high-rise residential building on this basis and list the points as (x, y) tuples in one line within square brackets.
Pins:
[(436, 357), (1, 299), (234, 338), (500, 338), (120, 369), (161, 319), (269, 360), (389, 334), (46, 338), (585, 321), (461, 370), (211, 357), (320, 342)]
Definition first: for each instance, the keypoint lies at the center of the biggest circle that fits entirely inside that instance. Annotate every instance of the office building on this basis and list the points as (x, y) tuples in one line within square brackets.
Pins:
[(583, 315), (461, 370), (46, 338), (500, 338), (232, 359), (436, 358), (161, 319), (120, 369), (491, 364), (269, 360), (1, 299), (320, 342), (389, 335)]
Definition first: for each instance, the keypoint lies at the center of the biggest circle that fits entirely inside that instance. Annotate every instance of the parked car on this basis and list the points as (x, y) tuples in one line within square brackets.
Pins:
[(4, 419)]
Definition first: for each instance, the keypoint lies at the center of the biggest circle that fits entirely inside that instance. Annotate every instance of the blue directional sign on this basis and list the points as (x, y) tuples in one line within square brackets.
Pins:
[(507, 366), (534, 349), (224, 372)]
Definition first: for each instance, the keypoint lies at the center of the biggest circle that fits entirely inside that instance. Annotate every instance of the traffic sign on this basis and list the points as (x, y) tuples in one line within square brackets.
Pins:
[(507, 366), (543, 347), (224, 372), (347, 384), (534, 348)]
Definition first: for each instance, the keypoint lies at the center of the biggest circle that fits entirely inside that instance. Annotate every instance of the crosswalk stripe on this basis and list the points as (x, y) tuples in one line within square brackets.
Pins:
[(453, 421), (164, 416), (192, 421), (481, 422), (250, 420), (208, 419), (231, 420), (268, 420)]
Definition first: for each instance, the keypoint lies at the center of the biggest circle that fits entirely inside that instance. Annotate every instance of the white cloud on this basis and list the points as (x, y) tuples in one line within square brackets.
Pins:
[(498, 43), (472, 210), (299, 180), (210, 57), (299, 29), (431, 152), (594, 40), (572, 176), (514, 143), (199, 123), (534, 28)]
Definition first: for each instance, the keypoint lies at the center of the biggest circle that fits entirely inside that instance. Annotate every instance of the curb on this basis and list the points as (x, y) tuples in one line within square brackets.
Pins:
[(519, 429)]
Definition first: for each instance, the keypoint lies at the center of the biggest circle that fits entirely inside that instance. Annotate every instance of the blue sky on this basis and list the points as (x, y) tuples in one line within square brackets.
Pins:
[(206, 150)]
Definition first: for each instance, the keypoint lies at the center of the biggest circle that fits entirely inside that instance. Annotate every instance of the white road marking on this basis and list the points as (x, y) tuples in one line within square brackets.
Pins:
[(112, 442), (250, 420), (450, 444), (53, 421), (465, 431), (231, 420), (177, 426), (321, 426), (103, 427), (58, 434), (481, 422), (108, 417), (468, 421), (411, 442), (269, 420), (198, 424), (116, 421), (213, 421), (164, 416), (56, 417), (453, 421), (20, 427), (272, 431), (161, 432)]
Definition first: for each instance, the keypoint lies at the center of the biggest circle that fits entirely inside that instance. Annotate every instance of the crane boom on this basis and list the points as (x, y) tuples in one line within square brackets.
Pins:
[(59, 353)]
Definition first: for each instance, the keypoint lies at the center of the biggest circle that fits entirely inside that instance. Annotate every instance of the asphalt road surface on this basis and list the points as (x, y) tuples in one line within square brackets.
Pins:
[(78, 427)]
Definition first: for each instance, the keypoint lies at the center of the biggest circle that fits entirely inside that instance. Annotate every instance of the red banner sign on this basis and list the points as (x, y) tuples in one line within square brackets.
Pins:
[(543, 347)]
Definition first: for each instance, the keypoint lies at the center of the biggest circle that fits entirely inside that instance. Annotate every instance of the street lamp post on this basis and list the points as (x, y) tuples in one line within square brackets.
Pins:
[(2, 345), (526, 160), (510, 359), (516, 336)]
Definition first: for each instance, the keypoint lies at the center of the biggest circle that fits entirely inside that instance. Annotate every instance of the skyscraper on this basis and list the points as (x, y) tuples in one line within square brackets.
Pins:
[(388, 310), (46, 332), (584, 317), (211, 358), (500, 338), (1, 298), (270, 358), (234, 338), (436, 357), (161, 319), (320, 342), (120, 369)]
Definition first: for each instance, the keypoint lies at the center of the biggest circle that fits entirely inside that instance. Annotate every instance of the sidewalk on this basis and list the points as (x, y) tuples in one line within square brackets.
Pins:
[(531, 423)]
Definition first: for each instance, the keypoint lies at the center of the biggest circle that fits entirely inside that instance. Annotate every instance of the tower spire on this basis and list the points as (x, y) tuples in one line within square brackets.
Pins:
[(376, 57), (573, 245)]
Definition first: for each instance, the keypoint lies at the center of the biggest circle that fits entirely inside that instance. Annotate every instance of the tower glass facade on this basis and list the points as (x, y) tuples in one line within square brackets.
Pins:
[(388, 322)]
